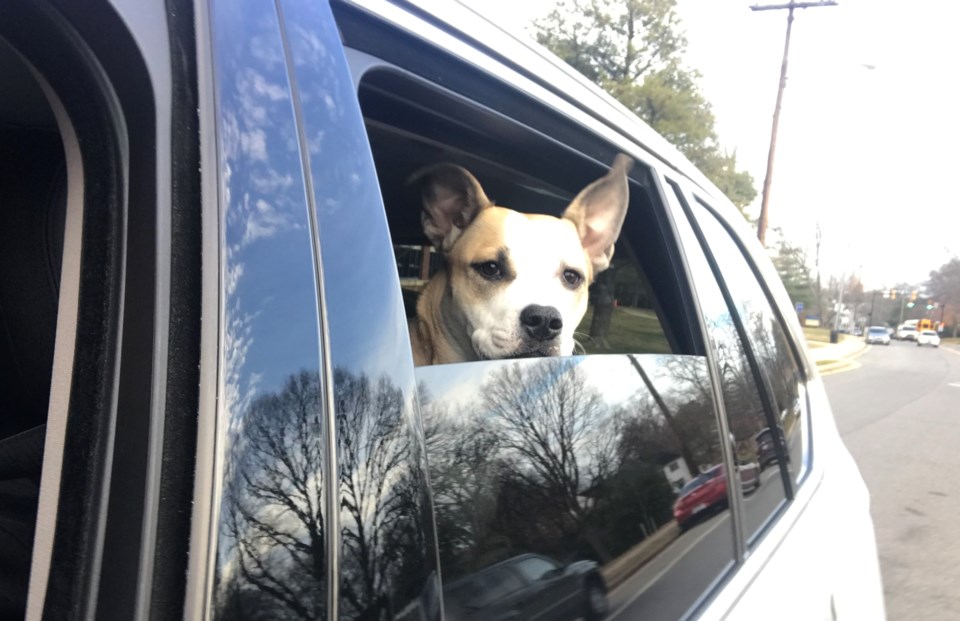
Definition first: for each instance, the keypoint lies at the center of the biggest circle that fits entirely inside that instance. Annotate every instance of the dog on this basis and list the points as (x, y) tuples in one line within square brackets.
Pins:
[(513, 285)]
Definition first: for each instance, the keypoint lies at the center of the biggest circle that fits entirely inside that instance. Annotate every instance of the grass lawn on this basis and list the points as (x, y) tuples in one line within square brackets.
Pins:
[(632, 330)]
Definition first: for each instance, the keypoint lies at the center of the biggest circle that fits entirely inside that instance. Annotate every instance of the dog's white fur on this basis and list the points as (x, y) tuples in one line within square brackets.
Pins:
[(463, 315)]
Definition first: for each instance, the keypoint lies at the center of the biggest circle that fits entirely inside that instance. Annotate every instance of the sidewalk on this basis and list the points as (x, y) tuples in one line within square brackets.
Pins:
[(836, 357)]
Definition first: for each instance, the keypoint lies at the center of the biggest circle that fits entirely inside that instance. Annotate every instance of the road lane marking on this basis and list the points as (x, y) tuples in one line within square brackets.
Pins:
[(724, 519), (952, 351), (954, 385)]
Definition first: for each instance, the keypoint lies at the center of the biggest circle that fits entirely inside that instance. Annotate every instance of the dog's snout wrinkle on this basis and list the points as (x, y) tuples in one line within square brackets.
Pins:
[(542, 323)]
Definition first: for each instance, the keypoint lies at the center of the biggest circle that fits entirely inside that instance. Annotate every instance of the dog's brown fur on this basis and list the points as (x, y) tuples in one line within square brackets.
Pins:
[(462, 315)]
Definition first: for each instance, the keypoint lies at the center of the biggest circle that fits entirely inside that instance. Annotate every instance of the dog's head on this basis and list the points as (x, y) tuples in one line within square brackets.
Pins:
[(518, 282)]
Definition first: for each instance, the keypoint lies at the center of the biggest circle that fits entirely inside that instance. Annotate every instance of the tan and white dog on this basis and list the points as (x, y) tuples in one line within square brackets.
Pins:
[(514, 284)]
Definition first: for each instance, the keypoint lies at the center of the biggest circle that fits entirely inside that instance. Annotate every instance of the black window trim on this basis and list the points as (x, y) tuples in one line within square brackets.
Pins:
[(764, 386), (796, 352), (666, 187)]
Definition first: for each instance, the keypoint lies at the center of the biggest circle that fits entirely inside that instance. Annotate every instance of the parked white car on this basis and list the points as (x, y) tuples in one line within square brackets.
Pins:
[(928, 337)]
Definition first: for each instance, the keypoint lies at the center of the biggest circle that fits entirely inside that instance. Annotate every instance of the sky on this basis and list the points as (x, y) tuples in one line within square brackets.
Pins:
[(869, 131)]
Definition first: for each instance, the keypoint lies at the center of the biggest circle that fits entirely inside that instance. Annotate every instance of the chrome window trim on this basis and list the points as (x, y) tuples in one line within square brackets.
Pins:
[(209, 452), (330, 467), (63, 358)]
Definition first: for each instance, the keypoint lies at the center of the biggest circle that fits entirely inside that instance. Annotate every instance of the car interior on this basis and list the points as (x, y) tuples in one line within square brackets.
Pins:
[(32, 212)]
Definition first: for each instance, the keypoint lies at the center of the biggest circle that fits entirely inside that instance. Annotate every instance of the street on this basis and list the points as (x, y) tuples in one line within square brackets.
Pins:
[(660, 590), (899, 415)]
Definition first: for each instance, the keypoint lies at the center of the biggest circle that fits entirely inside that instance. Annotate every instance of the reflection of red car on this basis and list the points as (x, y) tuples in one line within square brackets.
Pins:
[(701, 495)]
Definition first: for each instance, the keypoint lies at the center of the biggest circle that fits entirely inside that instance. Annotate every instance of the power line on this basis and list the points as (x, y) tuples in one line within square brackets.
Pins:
[(790, 6)]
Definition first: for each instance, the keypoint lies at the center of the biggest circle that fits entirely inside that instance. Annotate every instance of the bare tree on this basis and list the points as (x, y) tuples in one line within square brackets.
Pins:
[(272, 508)]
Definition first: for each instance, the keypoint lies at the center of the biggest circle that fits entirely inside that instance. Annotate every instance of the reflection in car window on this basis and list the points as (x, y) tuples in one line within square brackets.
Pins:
[(534, 568), (387, 555), (756, 454), (568, 459), (766, 334), (272, 527)]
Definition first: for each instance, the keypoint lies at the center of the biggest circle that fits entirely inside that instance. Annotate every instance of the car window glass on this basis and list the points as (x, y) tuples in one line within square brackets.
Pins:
[(755, 450), (570, 459), (272, 523), (534, 569), (766, 335)]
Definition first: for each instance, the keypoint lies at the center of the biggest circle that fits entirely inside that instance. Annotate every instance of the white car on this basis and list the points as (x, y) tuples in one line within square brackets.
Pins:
[(906, 333), (928, 337), (877, 334), (221, 380)]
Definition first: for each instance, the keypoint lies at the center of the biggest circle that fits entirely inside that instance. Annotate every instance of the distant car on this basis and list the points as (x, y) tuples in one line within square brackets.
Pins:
[(928, 337), (858, 331), (878, 334), (703, 494), (906, 333), (529, 586)]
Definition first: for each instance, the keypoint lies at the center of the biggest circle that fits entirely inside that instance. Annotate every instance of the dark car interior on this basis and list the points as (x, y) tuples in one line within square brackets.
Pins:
[(32, 211)]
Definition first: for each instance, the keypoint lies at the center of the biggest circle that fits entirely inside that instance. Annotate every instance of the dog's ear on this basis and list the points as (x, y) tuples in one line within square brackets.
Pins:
[(598, 213), (452, 198)]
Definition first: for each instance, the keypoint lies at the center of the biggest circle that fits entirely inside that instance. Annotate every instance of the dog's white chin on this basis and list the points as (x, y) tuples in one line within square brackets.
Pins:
[(499, 344)]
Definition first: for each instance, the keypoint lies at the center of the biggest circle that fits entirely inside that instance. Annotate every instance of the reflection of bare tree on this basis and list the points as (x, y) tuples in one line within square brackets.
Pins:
[(557, 435), (273, 563), (272, 556), (381, 509)]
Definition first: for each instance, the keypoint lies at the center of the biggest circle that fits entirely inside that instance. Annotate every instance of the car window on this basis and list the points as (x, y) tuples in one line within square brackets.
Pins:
[(757, 453), (414, 126), (534, 568), (272, 525), (766, 335), (574, 458), (568, 458)]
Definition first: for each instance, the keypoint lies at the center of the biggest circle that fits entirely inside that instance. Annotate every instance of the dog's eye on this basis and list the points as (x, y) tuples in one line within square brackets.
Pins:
[(489, 270), (572, 278)]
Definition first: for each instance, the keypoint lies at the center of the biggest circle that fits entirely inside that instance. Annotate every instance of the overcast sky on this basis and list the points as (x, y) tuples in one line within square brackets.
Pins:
[(870, 153)]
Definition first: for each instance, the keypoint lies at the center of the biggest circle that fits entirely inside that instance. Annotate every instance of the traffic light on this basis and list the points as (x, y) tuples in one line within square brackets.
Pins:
[(893, 294), (913, 296), (910, 304)]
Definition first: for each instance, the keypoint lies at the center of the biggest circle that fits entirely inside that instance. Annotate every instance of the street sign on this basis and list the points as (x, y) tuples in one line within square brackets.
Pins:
[(799, 307)]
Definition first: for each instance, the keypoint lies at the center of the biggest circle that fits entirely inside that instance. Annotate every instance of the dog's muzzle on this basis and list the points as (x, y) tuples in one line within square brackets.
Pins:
[(541, 323)]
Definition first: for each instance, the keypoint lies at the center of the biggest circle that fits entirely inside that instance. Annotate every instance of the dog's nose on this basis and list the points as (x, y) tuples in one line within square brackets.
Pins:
[(541, 322)]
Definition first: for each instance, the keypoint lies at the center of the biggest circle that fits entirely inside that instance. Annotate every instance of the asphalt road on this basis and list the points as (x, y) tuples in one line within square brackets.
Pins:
[(899, 414), (662, 588)]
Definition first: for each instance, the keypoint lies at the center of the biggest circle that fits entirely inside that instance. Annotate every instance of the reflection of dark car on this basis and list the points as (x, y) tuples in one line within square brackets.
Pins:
[(528, 586), (766, 448), (704, 493)]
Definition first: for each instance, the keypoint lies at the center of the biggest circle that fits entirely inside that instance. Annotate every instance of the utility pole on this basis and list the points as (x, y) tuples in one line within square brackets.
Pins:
[(765, 200)]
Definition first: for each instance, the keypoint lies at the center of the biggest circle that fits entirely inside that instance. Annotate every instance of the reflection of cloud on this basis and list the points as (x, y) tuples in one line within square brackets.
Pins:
[(234, 274), (237, 341), (254, 144), (263, 221), (274, 92), (271, 181)]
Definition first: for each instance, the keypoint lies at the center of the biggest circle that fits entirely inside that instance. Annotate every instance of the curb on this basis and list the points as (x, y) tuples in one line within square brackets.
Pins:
[(845, 363)]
